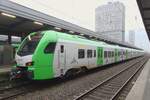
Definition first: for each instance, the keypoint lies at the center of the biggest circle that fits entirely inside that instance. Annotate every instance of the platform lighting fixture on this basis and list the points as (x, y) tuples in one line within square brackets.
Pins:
[(82, 34), (38, 23), (71, 31), (29, 37), (57, 28), (8, 15)]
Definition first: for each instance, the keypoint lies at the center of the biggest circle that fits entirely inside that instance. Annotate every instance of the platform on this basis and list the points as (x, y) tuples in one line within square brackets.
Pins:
[(141, 88), (4, 70)]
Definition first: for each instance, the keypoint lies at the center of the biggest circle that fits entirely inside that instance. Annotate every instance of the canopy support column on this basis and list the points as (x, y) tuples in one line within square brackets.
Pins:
[(9, 38)]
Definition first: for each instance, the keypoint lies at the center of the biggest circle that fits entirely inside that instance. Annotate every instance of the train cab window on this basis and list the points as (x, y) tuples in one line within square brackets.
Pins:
[(62, 48), (89, 53), (30, 44), (81, 53), (50, 48), (105, 54), (94, 53)]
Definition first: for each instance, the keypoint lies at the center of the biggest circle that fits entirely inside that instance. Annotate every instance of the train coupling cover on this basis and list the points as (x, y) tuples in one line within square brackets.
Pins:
[(17, 73)]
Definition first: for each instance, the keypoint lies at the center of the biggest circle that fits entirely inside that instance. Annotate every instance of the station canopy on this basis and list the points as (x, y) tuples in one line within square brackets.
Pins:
[(18, 20), (144, 6)]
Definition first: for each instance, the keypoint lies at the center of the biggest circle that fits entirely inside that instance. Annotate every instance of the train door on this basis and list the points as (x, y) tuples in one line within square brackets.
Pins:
[(112, 56), (121, 54), (100, 56), (62, 58), (106, 60)]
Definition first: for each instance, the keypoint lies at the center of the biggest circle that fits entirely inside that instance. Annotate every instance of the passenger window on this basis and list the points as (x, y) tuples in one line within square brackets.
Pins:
[(94, 53), (50, 48), (109, 53), (119, 53), (115, 53), (112, 54), (81, 53), (99, 53), (105, 54), (89, 53), (62, 48)]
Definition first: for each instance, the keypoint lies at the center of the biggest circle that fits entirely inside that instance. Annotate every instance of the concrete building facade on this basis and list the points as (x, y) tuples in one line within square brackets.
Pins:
[(132, 37), (110, 20)]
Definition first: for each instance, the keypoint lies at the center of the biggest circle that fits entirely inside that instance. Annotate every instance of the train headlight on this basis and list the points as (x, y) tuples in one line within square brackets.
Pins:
[(29, 63)]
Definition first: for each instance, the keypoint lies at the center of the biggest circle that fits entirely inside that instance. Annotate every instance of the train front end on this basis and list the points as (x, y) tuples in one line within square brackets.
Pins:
[(31, 61)]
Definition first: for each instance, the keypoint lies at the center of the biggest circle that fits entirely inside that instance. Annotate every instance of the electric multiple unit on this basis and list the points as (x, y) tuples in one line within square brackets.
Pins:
[(50, 54)]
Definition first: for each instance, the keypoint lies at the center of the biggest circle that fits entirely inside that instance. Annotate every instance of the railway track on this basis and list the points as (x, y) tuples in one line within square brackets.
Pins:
[(110, 88), (3, 81), (12, 92)]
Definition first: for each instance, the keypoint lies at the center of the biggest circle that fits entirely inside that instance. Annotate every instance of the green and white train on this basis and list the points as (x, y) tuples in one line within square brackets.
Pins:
[(50, 54)]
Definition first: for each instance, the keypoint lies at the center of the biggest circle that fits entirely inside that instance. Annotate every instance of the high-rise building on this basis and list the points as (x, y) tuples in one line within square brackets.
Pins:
[(110, 20), (132, 37)]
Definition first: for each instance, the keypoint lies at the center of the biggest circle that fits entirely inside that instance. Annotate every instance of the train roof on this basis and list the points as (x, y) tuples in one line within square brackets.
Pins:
[(79, 39)]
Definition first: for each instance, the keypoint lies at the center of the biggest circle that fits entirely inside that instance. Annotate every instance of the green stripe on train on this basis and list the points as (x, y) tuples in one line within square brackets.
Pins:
[(43, 66), (100, 56)]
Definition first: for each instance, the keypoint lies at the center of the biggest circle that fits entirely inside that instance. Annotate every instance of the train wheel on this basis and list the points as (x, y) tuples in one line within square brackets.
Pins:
[(71, 73), (84, 69)]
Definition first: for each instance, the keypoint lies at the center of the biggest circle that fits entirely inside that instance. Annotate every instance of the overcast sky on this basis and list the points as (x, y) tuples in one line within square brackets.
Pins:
[(82, 13)]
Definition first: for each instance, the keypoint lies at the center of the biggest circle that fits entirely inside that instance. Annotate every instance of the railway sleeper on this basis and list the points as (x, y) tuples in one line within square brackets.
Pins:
[(121, 98), (93, 97), (123, 95), (108, 88), (104, 92), (114, 85), (100, 96)]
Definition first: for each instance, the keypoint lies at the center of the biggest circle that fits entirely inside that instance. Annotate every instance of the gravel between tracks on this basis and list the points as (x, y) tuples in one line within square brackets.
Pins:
[(67, 90)]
